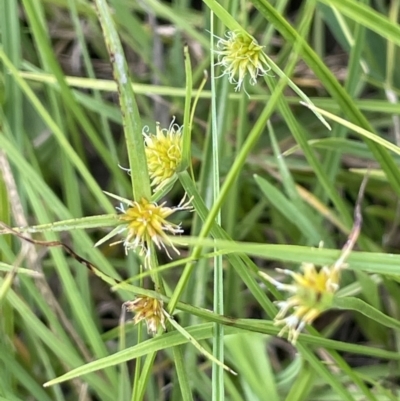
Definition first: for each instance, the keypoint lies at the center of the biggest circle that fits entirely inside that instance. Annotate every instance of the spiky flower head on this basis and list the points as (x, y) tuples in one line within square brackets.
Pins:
[(239, 54), (313, 290), (149, 309), (163, 153), (145, 222), (312, 293)]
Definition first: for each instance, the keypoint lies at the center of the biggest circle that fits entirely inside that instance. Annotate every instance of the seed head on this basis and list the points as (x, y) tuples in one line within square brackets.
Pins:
[(149, 309), (163, 153), (313, 290), (312, 293), (240, 55), (146, 221)]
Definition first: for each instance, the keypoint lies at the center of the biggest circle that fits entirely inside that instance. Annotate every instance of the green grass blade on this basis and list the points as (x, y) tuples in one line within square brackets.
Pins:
[(130, 113)]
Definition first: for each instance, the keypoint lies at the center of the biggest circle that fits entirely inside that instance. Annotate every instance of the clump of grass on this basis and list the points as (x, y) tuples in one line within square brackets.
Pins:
[(264, 181)]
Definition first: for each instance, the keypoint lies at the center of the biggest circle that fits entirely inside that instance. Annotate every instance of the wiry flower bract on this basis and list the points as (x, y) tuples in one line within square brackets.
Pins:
[(148, 309), (163, 153), (239, 54), (312, 293), (145, 222)]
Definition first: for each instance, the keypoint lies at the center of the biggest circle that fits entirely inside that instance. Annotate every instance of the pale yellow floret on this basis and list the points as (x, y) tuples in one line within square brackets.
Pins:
[(144, 222), (312, 293), (150, 310), (239, 54), (163, 153)]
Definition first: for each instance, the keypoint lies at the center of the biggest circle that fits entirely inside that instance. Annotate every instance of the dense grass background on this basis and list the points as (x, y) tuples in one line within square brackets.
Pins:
[(266, 173)]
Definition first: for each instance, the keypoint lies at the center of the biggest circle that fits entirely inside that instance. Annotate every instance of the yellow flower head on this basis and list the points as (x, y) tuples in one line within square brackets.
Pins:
[(312, 293), (313, 290), (163, 153), (240, 55), (145, 222), (148, 309)]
